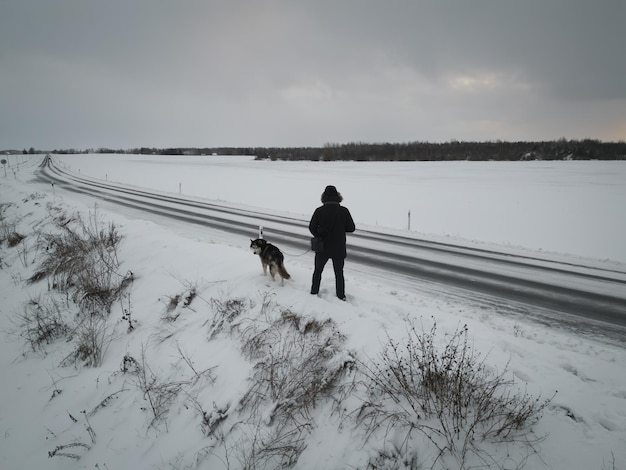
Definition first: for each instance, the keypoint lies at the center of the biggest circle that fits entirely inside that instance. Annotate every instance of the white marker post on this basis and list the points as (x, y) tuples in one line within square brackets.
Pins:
[(260, 231)]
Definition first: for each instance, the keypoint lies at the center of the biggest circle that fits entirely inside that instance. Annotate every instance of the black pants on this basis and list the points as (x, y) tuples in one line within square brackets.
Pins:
[(320, 262)]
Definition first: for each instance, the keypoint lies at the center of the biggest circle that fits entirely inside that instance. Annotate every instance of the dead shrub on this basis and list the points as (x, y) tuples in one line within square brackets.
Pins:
[(91, 338), (81, 258), (447, 394), (175, 304), (295, 370), (224, 314), (42, 322)]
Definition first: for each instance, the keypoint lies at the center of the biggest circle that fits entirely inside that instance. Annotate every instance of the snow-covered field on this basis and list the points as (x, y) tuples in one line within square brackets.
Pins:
[(569, 209), (573, 207)]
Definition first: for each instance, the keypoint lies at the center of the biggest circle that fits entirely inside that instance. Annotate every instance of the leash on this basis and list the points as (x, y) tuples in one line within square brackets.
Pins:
[(283, 251), (296, 256)]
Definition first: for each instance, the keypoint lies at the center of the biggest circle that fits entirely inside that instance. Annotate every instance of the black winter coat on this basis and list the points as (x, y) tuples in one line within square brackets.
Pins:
[(331, 222)]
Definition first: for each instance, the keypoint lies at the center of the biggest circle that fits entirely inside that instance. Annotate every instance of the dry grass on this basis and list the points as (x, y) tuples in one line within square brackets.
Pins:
[(81, 259), (42, 322), (446, 394)]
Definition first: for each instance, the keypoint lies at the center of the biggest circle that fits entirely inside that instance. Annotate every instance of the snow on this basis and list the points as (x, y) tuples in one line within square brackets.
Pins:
[(570, 210), (570, 207)]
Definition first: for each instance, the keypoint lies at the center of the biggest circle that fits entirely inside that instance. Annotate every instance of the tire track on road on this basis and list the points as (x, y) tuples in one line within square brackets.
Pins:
[(587, 292)]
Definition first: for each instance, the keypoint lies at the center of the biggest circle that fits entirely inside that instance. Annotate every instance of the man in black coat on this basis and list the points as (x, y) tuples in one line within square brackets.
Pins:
[(331, 221)]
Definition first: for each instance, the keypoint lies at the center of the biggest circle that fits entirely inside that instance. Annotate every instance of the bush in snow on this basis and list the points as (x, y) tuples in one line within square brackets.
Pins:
[(448, 396), (298, 365), (90, 338), (81, 263), (81, 259), (42, 322)]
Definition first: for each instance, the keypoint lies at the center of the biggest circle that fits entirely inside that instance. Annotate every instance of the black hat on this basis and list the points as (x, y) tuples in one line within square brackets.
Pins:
[(331, 191), (331, 194)]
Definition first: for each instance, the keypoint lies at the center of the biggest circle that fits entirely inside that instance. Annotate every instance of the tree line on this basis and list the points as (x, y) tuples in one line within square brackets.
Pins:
[(562, 149), (588, 149), (450, 151)]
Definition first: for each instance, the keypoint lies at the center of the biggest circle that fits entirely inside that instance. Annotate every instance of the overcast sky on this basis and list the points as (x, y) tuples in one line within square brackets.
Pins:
[(156, 73)]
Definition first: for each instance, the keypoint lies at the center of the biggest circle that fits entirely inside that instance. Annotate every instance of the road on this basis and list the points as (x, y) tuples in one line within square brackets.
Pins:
[(564, 293)]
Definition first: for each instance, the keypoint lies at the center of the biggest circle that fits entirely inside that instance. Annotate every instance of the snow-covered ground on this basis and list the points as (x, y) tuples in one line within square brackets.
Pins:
[(573, 209)]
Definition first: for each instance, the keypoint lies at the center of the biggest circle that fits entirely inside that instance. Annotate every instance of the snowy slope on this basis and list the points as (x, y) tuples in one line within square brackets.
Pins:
[(106, 415)]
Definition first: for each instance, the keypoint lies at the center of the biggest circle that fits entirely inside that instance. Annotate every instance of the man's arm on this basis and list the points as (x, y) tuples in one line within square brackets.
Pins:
[(350, 227), (314, 223)]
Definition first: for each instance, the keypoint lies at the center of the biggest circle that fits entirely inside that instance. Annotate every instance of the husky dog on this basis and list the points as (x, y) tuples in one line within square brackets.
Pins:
[(270, 256)]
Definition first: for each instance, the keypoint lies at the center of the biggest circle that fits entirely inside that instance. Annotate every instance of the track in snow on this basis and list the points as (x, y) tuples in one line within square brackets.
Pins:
[(557, 292)]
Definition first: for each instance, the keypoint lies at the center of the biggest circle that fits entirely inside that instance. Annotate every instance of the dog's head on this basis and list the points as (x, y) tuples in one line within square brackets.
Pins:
[(257, 245)]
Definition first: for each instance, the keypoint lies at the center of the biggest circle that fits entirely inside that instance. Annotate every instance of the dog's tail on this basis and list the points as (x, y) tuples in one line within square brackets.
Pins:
[(283, 272)]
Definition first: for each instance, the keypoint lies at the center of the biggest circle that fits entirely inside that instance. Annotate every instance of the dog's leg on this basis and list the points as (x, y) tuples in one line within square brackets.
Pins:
[(272, 271), (283, 274), (264, 264)]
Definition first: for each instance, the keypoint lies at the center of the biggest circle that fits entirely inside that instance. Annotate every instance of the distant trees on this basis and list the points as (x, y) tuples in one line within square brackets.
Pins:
[(562, 149), (587, 149)]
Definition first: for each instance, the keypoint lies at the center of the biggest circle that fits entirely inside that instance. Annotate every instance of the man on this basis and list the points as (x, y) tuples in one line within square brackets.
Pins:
[(331, 221)]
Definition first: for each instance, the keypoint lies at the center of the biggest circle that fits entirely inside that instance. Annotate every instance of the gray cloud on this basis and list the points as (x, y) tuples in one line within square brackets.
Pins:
[(195, 73)]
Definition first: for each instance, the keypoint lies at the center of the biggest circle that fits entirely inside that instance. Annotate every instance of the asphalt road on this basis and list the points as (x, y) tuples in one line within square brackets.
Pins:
[(585, 298)]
